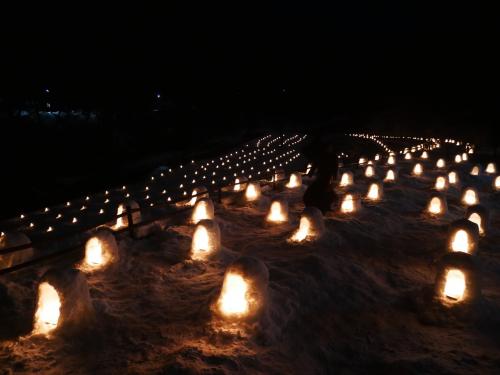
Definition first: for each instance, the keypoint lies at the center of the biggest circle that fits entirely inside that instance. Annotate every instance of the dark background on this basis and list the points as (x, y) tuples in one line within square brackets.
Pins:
[(226, 73)]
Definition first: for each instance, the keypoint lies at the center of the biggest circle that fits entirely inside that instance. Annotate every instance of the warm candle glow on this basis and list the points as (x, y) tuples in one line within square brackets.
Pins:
[(454, 287), (276, 213), (200, 241), (440, 183), (476, 219), (417, 169), (237, 185), (424, 155), (48, 309), (369, 171), (303, 231), (435, 206), (93, 252), (453, 178), (390, 176), (391, 160), (441, 163), (460, 241), (491, 168), (233, 300), (407, 156), (362, 161), (346, 179), (200, 212), (497, 183), (373, 192), (347, 204), (252, 192), (470, 197), (458, 159), (294, 181), (475, 171), (120, 221)]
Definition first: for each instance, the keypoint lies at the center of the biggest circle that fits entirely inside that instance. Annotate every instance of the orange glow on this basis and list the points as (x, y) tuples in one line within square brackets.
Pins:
[(424, 155), (470, 197), (391, 160), (200, 245), (475, 171), (294, 181), (440, 183), (497, 183), (453, 178), (461, 242), (303, 231), (346, 179), (491, 168), (276, 213), (234, 297), (435, 206), (407, 156), (94, 253), (417, 169), (476, 219), (347, 204), (252, 192), (458, 159), (237, 185), (441, 163), (369, 171), (373, 192), (454, 287), (120, 222), (48, 309), (200, 212), (390, 176)]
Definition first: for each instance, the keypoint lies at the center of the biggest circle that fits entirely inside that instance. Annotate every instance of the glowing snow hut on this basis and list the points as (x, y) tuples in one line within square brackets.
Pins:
[(347, 179), (463, 236), (101, 250), (203, 209), (417, 169), (244, 293), (457, 280), (240, 183), (369, 171), (295, 181), (440, 163), (453, 178), (476, 170), (206, 240), (278, 211), (390, 176), (437, 205), (470, 196), (122, 221), (198, 193), (491, 168), (351, 203), (253, 191), (480, 216), (63, 302), (441, 183), (375, 192), (311, 225)]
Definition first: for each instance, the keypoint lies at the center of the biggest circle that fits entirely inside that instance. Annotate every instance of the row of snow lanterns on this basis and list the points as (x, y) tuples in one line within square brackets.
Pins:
[(288, 154)]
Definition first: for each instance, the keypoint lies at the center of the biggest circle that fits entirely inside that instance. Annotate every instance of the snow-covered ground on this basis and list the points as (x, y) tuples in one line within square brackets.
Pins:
[(353, 301)]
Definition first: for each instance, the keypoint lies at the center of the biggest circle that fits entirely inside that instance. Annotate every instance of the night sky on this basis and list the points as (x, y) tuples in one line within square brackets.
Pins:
[(323, 56)]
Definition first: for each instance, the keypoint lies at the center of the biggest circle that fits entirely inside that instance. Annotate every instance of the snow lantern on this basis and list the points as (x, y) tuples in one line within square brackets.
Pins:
[(294, 181), (457, 280), (377, 157), (496, 183), (100, 250), (347, 179), (475, 170), (391, 160), (453, 178), (437, 205), (491, 168), (375, 192), (463, 236), (369, 171), (350, 203), (63, 302), (470, 196), (390, 176), (244, 294), (458, 158), (278, 211), (424, 155), (417, 169), (240, 183), (464, 156), (198, 193), (253, 191), (122, 221), (203, 209), (441, 183), (14, 239), (311, 225), (480, 216), (362, 161), (206, 240), (408, 156), (441, 163)]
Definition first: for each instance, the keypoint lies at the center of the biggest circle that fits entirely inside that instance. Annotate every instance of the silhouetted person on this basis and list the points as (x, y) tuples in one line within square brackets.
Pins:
[(320, 193)]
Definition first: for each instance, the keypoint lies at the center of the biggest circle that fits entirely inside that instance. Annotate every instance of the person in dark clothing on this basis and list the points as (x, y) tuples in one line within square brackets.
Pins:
[(324, 160)]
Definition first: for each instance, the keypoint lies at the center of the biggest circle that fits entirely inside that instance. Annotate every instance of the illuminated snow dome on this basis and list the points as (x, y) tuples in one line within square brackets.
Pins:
[(122, 221), (14, 239), (278, 211), (295, 181), (470, 196), (463, 236), (198, 193), (203, 209), (63, 303), (206, 240), (437, 205), (457, 280), (244, 293), (347, 179), (390, 176), (479, 215), (311, 226), (101, 250), (253, 191), (350, 203), (240, 183)]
